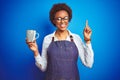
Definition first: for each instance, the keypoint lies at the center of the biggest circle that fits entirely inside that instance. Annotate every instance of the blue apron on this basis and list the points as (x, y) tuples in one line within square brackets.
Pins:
[(62, 60)]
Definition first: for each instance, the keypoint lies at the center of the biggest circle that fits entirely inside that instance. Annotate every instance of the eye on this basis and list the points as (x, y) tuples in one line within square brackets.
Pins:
[(59, 19), (66, 18)]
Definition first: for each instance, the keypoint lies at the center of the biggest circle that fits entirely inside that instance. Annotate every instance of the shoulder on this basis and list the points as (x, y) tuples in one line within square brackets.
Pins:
[(47, 40), (49, 36), (76, 37), (73, 34)]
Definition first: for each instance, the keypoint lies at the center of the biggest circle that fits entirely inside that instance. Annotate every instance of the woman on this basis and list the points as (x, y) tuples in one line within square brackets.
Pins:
[(61, 49)]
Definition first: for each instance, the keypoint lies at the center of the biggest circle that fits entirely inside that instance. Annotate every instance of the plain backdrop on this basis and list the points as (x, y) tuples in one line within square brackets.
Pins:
[(16, 16)]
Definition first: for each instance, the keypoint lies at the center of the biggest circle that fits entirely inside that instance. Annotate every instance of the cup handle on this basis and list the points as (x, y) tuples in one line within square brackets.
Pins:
[(37, 35)]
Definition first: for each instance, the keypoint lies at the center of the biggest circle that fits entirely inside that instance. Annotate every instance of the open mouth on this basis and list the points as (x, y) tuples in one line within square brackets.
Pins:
[(62, 25)]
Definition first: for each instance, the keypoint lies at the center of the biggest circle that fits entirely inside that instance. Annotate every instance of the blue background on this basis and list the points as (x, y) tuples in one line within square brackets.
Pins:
[(16, 16)]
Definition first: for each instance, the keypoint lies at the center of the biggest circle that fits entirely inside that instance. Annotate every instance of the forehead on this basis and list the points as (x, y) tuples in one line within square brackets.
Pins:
[(61, 13)]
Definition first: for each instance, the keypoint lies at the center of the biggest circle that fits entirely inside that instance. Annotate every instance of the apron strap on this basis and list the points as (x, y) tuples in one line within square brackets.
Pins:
[(71, 38), (52, 39)]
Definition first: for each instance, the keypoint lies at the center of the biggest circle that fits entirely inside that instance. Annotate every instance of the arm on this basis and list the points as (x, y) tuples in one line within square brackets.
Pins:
[(88, 47), (41, 61), (85, 52)]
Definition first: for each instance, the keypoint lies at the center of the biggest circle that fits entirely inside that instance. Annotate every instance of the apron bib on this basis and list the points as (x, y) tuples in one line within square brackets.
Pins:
[(62, 61)]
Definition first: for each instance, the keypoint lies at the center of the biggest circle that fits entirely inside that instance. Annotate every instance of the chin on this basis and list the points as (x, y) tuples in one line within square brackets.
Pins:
[(62, 29)]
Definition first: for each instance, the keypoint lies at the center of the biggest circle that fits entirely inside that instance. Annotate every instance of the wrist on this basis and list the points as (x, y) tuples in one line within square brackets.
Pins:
[(36, 53), (87, 41)]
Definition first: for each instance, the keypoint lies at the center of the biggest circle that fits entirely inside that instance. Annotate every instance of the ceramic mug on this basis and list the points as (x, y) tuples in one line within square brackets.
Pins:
[(32, 35)]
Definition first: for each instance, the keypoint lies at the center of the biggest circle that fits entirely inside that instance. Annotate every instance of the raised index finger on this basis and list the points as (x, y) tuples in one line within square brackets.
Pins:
[(86, 23)]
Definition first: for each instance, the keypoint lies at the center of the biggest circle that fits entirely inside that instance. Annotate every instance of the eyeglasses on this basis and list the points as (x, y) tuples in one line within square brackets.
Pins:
[(59, 19)]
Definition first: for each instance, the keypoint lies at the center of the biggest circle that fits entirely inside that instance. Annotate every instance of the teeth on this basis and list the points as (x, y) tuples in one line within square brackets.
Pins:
[(63, 25)]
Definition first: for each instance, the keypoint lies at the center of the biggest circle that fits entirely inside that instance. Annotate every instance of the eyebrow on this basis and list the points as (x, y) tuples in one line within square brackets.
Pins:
[(61, 17)]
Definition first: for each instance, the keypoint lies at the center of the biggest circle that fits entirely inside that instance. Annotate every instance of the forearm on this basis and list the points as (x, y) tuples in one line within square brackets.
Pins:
[(89, 57), (36, 52), (41, 62)]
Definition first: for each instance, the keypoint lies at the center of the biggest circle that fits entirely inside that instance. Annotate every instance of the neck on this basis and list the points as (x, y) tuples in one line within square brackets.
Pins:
[(61, 35)]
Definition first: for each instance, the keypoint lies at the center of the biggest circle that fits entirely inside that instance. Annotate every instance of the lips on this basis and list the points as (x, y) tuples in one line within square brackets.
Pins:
[(63, 25)]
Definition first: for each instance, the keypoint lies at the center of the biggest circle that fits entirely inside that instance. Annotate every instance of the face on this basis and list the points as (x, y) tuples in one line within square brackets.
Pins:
[(61, 20)]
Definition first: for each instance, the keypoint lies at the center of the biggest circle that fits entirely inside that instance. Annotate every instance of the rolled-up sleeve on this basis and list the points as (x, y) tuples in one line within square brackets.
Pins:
[(41, 60), (85, 52)]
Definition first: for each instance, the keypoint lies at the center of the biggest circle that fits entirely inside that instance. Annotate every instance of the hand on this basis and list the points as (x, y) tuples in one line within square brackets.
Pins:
[(87, 33), (33, 46)]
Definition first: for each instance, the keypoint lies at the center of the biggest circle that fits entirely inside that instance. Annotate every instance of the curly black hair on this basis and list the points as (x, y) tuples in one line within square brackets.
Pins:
[(58, 7)]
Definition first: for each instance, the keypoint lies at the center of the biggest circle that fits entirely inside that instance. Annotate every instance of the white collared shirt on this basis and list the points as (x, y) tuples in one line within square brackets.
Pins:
[(85, 51)]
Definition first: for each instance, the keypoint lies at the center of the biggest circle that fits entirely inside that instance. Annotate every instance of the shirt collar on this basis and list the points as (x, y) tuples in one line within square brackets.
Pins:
[(68, 37), (53, 34)]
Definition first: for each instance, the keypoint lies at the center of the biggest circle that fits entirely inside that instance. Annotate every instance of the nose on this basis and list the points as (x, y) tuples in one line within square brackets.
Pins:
[(62, 21)]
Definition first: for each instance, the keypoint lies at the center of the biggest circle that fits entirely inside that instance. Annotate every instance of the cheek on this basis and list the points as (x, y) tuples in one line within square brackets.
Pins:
[(59, 23), (56, 23), (67, 22)]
